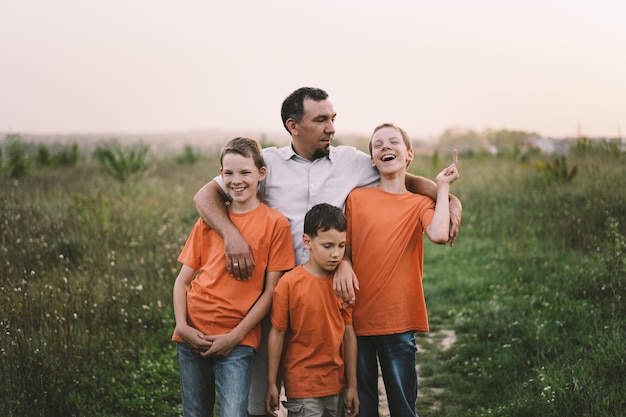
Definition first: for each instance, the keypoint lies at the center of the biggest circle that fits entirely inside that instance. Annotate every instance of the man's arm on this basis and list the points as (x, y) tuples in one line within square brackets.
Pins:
[(210, 202), (424, 186)]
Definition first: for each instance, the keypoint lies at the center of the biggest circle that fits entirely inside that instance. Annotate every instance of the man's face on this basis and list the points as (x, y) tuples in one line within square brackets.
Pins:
[(313, 135)]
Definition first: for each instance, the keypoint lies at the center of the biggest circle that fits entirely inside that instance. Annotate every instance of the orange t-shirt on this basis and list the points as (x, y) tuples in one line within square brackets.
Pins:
[(314, 319), (217, 302), (385, 233)]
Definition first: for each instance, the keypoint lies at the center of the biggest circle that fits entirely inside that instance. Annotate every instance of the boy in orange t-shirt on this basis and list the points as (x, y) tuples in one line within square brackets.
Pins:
[(316, 325), (218, 318), (384, 241)]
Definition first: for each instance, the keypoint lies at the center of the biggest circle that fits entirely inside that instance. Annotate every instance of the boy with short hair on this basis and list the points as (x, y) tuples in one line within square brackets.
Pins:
[(384, 241), (218, 318), (318, 325)]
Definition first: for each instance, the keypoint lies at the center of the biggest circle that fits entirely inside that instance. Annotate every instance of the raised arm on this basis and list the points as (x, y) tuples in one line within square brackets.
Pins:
[(424, 186), (210, 202), (439, 228)]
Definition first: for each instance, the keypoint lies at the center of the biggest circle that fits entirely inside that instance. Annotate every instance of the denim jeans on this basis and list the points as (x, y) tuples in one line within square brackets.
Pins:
[(200, 376), (396, 354)]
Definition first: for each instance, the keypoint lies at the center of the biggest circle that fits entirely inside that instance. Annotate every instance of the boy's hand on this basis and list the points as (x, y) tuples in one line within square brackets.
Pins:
[(352, 402), (345, 282), (194, 339), (221, 345), (451, 173), (271, 400)]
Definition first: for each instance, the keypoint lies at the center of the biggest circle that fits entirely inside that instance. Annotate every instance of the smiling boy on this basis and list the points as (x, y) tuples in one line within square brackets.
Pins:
[(384, 242), (218, 318)]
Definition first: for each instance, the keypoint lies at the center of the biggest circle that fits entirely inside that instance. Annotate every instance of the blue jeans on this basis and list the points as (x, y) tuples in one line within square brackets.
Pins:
[(396, 353), (200, 376)]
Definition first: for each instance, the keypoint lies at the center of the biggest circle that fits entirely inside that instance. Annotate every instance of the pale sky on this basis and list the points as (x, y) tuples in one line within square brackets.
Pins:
[(555, 67)]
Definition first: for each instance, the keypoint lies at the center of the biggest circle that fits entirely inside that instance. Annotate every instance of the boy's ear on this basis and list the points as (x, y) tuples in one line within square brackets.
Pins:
[(306, 241), (410, 156), (262, 173)]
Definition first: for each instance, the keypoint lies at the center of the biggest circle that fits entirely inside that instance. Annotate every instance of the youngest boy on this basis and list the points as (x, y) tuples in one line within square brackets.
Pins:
[(318, 326)]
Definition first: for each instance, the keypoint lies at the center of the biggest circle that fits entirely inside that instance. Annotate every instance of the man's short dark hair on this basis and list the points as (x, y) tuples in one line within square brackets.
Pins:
[(293, 105), (323, 217)]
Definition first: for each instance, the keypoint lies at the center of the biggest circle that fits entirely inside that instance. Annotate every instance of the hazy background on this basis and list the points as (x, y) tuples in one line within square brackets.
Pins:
[(138, 66)]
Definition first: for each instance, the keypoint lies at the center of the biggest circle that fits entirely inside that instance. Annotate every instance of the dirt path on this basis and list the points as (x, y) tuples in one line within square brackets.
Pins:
[(441, 340)]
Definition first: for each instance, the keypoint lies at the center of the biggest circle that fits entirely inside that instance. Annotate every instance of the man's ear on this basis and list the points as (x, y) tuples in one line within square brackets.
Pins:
[(292, 125)]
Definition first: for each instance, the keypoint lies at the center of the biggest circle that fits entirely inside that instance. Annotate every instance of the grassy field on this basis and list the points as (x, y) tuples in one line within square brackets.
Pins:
[(534, 288)]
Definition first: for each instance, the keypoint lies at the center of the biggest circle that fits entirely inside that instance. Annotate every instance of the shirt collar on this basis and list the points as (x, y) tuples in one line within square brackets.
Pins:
[(287, 152)]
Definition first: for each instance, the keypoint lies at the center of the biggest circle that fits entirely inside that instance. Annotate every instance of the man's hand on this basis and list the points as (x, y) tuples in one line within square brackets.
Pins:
[(456, 208), (239, 260), (345, 282)]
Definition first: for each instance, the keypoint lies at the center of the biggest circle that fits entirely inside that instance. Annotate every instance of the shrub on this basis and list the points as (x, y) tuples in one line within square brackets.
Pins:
[(18, 161), (123, 163)]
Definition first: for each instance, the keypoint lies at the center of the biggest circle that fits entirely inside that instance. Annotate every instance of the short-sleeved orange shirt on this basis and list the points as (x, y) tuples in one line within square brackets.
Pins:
[(385, 233), (217, 302), (306, 307)]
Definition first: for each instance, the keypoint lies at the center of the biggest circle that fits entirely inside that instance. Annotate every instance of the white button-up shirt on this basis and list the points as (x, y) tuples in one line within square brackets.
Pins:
[(293, 184)]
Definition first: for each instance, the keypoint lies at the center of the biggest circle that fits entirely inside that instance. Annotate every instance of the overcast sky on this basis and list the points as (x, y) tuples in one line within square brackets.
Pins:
[(555, 67)]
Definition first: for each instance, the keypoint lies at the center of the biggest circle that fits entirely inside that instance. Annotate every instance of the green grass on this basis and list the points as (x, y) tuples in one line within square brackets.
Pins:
[(534, 290)]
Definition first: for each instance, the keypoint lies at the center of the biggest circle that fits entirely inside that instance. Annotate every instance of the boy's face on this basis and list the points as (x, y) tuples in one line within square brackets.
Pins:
[(389, 152), (327, 249), (241, 177)]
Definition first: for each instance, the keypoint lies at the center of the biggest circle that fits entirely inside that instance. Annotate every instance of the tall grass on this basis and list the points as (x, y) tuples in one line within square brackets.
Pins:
[(534, 289), (87, 271)]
